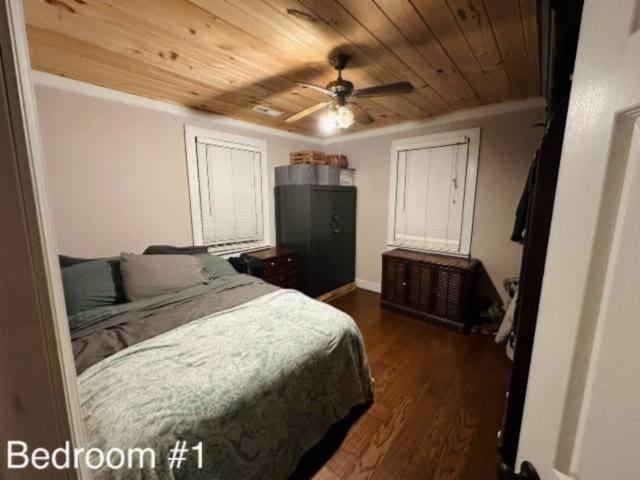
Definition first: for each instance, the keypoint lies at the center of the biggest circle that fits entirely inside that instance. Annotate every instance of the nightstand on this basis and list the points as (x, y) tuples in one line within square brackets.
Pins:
[(278, 266)]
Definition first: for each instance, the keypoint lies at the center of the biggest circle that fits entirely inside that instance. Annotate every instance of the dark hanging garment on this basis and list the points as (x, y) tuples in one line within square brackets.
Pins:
[(522, 212)]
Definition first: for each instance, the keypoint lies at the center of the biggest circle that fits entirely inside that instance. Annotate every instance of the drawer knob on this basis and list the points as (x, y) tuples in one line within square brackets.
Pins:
[(404, 284), (272, 264), (289, 259)]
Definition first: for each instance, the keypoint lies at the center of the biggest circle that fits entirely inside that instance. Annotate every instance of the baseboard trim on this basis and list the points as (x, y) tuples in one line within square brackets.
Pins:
[(338, 292), (367, 285)]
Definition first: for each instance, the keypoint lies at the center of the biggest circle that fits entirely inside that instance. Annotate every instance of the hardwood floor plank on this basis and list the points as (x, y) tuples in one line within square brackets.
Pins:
[(381, 441), (438, 404), (426, 417)]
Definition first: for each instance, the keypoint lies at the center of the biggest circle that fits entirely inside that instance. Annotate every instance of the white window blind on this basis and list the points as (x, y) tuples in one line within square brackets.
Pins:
[(227, 187), (430, 205)]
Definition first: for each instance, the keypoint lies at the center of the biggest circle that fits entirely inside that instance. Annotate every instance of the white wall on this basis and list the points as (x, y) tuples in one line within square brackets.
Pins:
[(117, 173), (507, 144), (118, 179)]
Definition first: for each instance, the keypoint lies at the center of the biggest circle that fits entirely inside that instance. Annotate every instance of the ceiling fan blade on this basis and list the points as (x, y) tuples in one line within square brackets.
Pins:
[(317, 88), (306, 112), (389, 89), (360, 114)]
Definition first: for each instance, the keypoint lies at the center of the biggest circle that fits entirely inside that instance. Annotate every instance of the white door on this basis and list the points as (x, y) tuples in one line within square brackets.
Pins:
[(582, 412)]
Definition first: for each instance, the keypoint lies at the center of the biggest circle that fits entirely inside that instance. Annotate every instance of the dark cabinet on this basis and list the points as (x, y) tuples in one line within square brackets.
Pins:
[(320, 223), (438, 288)]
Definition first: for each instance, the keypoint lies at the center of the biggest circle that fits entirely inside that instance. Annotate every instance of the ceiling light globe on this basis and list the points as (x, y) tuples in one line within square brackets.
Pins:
[(343, 116), (328, 123)]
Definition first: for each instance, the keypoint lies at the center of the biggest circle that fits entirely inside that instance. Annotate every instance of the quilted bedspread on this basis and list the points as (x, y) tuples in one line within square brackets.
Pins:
[(257, 384)]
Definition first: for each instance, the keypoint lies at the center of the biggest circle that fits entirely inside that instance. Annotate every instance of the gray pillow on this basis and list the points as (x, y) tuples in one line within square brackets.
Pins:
[(216, 266), (92, 284), (147, 276)]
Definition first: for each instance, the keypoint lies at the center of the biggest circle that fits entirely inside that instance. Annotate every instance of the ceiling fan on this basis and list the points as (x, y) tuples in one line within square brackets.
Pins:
[(342, 112)]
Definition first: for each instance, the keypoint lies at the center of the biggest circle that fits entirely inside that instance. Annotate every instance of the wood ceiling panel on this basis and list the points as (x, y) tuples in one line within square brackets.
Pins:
[(474, 23), (507, 24), (379, 58), (360, 70), (151, 42), (88, 62), (363, 69), (528, 10), (227, 56), (444, 75), (278, 29), (447, 33)]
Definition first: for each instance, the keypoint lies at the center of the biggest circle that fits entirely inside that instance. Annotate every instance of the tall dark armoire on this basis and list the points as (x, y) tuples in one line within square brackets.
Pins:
[(320, 223)]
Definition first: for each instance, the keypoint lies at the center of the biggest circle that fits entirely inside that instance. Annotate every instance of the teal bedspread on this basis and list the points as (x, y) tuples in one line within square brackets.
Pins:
[(257, 384)]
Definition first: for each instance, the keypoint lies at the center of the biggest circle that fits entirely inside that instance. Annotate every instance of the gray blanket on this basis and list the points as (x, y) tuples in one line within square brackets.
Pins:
[(108, 330)]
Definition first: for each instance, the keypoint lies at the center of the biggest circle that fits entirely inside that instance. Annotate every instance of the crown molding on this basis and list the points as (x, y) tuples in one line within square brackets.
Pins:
[(89, 89), (83, 88), (457, 116)]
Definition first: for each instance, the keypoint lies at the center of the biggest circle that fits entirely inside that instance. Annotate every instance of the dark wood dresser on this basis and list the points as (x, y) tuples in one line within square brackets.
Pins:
[(438, 288), (278, 266)]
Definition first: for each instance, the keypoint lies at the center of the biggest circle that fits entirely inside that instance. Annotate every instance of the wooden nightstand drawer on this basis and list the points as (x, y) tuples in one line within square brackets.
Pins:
[(280, 265), (286, 280)]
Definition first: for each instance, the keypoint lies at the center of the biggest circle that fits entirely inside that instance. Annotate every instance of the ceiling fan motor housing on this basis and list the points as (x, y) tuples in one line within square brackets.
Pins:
[(339, 61), (342, 88)]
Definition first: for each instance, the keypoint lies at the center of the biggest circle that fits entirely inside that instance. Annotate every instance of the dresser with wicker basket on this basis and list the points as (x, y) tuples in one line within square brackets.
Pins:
[(438, 288)]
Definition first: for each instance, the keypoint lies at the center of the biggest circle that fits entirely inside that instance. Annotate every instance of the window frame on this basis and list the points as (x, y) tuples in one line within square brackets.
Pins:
[(224, 139), (468, 211)]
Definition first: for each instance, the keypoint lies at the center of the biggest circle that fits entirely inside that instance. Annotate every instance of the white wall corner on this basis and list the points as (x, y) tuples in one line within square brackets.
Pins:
[(367, 285)]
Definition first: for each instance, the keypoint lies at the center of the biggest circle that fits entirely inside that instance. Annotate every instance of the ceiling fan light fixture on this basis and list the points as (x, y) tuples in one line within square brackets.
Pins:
[(327, 124), (341, 115)]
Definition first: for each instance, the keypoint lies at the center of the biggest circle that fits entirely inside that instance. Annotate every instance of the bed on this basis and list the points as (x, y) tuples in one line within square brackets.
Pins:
[(255, 373)]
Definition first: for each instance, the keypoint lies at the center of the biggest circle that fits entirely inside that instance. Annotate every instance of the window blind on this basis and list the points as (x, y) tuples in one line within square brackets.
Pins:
[(230, 191), (429, 203)]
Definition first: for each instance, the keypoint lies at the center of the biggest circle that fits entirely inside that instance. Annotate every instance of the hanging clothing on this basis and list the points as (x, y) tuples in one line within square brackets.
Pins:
[(522, 212)]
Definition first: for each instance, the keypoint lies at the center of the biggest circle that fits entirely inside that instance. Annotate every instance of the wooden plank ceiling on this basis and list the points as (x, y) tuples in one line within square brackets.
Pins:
[(228, 56)]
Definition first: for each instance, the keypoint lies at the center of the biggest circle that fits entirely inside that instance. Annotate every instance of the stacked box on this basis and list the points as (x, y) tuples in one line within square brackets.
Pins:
[(309, 157), (338, 160), (328, 175), (347, 177)]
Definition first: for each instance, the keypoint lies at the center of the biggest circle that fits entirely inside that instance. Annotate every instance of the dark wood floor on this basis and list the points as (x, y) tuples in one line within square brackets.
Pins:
[(439, 398)]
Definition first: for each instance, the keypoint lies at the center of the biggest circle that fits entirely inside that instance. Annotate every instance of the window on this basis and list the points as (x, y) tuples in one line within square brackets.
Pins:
[(433, 181), (228, 190)]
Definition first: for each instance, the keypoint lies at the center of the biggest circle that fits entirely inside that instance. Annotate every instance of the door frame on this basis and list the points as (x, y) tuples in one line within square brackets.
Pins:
[(57, 380)]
